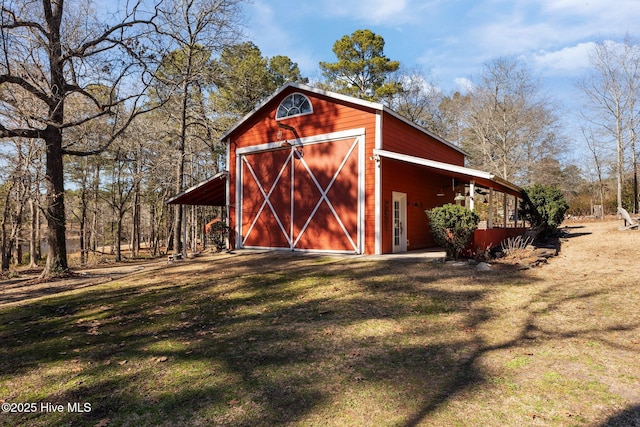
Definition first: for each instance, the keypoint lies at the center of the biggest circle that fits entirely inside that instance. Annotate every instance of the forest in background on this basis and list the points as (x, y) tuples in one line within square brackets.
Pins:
[(104, 117)]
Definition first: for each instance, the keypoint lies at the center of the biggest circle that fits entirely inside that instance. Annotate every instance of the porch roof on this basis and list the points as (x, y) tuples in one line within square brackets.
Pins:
[(211, 192), (484, 179)]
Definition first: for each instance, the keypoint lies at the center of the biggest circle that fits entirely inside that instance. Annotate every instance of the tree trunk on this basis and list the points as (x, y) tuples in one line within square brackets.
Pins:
[(56, 221), (634, 162), (4, 244), (152, 223), (38, 247), (135, 234), (177, 230), (17, 260), (119, 237), (96, 200), (176, 240), (83, 223), (33, 253)]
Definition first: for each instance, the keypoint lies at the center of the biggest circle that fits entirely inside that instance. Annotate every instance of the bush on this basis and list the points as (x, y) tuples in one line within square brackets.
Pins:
[(544, 208), (218, 234), (452, 227)]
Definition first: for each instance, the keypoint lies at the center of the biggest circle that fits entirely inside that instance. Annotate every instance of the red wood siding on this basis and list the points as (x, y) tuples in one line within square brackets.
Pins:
[(421, 187), (328, 116), (334, 115), (402, 138), (485, 239), (370, 188)]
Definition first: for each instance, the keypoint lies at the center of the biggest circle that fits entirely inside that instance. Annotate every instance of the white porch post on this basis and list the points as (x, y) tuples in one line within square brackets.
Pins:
[(238, 206), (378, 217), (472, 194)]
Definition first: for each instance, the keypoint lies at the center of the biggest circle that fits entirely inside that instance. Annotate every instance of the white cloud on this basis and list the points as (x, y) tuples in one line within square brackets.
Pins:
[(502, 27), (463, 84), (264, 26), (512, 37), (569, 60), (611, 14)]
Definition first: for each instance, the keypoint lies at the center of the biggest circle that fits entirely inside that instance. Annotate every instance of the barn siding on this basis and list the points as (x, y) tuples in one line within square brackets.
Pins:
[(488, 238), (401, 138), (421, 187), (329, 115)]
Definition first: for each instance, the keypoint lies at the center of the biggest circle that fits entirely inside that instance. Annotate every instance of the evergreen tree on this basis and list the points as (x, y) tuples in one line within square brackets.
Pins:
[(362, 70)]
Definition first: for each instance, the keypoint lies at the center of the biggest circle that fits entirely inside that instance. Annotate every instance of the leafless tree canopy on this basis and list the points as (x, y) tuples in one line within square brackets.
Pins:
[(611, 110), (510, 126), (57, 55)]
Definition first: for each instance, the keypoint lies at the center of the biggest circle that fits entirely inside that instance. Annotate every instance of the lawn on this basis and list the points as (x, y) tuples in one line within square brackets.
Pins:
[(279, 339)]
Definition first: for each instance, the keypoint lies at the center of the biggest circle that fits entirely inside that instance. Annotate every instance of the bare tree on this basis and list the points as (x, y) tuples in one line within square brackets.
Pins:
[(418, 99), (510, 126), (53, 52), (197, 29), (597, 163), (452, 110), (21, 174), (631, 69), (611, 91)]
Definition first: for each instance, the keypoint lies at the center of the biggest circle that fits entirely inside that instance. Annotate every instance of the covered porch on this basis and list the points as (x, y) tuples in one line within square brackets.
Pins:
[(213, 193), (495, 200)]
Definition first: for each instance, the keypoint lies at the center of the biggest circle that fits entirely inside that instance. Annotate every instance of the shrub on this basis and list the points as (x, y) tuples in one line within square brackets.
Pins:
[(544, 208), (452, 227), (218, 235)]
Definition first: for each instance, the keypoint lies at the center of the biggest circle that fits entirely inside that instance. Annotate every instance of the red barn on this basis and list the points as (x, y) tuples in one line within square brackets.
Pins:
[(311, 170)]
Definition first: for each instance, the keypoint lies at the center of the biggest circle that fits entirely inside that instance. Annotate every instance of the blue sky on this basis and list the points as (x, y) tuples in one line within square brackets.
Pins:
[(450, 39)]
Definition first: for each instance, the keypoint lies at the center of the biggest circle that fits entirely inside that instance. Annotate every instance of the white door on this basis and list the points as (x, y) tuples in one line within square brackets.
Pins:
[(399, 222)]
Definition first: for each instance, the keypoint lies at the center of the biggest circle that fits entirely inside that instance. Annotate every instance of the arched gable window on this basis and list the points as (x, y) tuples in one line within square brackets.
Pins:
[(295, 104)]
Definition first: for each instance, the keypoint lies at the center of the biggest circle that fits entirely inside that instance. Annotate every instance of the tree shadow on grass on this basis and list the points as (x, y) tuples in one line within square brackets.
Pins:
[(262, 340), (630, 417)]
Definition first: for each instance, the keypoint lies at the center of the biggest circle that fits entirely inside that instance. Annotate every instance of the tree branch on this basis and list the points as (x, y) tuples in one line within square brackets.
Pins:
[(112, 138), (20, 24), (8, 78), (19, 133)]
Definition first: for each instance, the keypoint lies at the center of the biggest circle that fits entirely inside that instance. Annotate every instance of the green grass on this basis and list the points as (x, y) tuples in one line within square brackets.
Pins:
[(285, 340)]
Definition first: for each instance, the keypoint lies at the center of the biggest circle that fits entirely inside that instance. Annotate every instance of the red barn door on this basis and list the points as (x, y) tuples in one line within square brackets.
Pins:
[(304, 196)]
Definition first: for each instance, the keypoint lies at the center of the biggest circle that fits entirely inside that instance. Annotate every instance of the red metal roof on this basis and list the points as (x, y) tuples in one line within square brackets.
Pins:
[(212, 192)]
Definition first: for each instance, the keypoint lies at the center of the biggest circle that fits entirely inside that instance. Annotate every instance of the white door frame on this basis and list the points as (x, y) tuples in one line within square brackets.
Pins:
[(399, 228)]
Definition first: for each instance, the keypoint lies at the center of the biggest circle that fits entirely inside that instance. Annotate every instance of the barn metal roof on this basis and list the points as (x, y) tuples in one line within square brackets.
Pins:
[(483, 178), (212, 192)]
